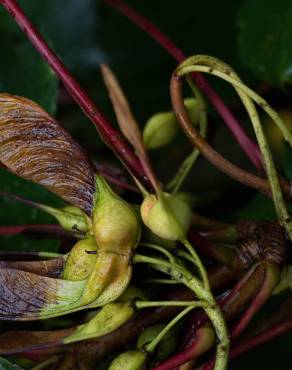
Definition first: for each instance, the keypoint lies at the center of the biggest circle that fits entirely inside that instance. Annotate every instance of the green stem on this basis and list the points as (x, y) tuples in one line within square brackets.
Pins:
[(175, 184), (220, 69), (143, 304), (161, 281), (50, 255), (47, 362), (203, 293), (198, 263), (160, 249), (176, 271), (152, 345), (216, 67), (186, 256)]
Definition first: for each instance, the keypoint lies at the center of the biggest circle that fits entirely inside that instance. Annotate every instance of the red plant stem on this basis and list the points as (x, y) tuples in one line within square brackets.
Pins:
[(43, 231), (17, 198), (203, 340), (271, 280), (250, 343), (204, 246), (248, 146), (108, 133), (228, 304), (12, 230), (263, 337)]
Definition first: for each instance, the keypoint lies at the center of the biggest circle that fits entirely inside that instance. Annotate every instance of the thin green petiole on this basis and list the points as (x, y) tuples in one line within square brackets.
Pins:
[(204, 294), (175, 184), (47, 362), (198, 263), (159, 249), (194, 304), (151, 346), (225, 72), (161, 281)]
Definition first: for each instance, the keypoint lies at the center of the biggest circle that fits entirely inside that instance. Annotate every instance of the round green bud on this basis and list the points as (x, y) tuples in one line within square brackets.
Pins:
[(165, 347), (149, 334), (194, 108), (130, 360), (168, 217), (115, 224), (160, 130), (162, 127)]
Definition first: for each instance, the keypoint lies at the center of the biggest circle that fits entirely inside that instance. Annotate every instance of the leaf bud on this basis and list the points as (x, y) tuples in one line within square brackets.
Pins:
[(130, 360), (161, 128), (167, 216)]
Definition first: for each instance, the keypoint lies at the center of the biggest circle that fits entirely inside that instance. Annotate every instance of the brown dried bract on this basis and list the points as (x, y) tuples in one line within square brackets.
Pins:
[(34, 146)]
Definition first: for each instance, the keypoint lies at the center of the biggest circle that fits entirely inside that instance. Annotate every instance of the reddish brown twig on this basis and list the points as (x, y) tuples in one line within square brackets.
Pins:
[(248, 146), (265, 336), (108, 133), (211, 154), (231, 304)]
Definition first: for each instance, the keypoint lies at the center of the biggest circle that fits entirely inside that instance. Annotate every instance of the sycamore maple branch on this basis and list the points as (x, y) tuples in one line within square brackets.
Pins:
[(248, 146), (108, 133)]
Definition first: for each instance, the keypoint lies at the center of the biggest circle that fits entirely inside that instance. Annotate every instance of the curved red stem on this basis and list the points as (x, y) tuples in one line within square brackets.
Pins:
[(108, 133), (263, 337), (202, 341), (248, 146)]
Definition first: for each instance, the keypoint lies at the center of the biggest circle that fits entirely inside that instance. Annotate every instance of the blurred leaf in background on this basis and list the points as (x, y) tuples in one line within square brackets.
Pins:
[(6, 365), (265, 39), (15, 213), (254, 36)]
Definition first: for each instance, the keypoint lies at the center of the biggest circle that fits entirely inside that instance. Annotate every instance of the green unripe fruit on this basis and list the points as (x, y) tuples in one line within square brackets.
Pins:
[(194, 108), (130, 360), (162, 127), (116, 230), (149, 334), (169, 217), (115, 224), (165, 347), (70, 218), (80, 263), (160, 130), (109, 318)]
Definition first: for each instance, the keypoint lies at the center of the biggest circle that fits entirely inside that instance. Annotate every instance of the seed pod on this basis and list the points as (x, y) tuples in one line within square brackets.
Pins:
[(108, 319), (105, 321), (162, 127), (165, 347), (116, 230), (169, 217), (70, 218), (130, 360), (80, 263)]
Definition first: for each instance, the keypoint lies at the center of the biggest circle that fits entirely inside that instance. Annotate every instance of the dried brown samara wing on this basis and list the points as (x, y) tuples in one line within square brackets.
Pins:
[(34, 146), (27, 296)]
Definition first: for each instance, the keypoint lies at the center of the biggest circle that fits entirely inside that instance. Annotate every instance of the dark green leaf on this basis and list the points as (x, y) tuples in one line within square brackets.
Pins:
[(14, 213), (22, 70), (259, 208), (265, 39), (6, 365)]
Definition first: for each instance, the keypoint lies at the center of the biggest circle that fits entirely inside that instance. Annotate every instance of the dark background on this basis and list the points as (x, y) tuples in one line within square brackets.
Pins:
[(254, 36)]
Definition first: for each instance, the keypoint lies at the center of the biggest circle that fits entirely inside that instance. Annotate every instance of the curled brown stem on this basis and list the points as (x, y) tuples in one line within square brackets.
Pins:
[(230, 169)]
